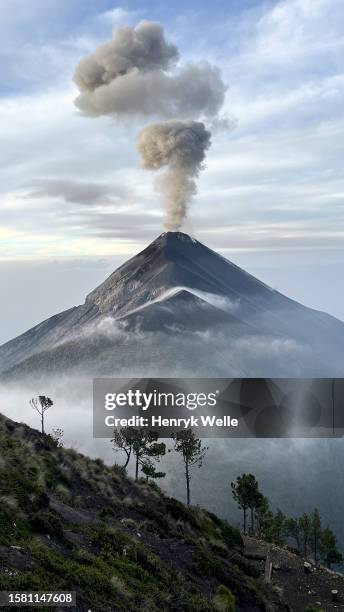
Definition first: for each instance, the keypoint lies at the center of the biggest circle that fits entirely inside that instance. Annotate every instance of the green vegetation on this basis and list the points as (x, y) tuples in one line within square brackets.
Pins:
[(224, 600), (77, 524), (121, 543), (190, 447), (305, 532), (246, 494), (144, 446)]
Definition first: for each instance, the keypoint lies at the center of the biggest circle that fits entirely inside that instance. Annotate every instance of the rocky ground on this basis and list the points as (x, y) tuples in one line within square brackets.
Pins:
[(298, 589)]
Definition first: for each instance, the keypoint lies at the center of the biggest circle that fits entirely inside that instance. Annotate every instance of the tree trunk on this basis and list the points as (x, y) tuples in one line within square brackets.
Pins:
[(252, 521), (42, 421), (137, 467), (187, 476), (315, 549), (245, 510), (305, 547), (127, 461)]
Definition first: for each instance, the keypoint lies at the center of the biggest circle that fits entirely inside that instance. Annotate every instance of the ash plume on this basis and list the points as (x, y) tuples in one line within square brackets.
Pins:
[(135, 75), (181, 147)]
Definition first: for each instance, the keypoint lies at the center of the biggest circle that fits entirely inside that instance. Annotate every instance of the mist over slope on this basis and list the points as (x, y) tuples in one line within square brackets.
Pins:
[(180, 305)]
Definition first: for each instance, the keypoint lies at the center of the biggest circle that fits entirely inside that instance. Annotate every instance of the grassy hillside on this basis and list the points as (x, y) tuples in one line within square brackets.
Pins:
[(71, 523)]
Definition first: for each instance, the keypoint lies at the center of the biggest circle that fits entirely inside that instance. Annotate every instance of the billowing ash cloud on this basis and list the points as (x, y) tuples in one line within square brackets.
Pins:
[(181, 147), (143, 48), (135, 75)]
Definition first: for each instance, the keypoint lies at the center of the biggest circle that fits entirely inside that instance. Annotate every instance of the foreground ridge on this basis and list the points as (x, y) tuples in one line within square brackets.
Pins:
[(76, 523)]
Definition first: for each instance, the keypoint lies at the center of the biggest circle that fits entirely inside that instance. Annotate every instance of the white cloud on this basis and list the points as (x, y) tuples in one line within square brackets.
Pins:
[(299, 29), (118, 16), (275, 181)]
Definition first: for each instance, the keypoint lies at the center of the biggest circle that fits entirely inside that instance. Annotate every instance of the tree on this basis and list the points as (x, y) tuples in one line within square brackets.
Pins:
[(246, 494), (316, 532), (192, 451), (328, 548), (146, 446), (141, 443), (123, 441), (292, 530), (263, 515), (276, 532), (150, 471), (256, 498), (305, 525), (41, 404)]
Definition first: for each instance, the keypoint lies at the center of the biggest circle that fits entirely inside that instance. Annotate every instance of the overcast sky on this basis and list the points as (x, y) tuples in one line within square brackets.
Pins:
[(74, 202)]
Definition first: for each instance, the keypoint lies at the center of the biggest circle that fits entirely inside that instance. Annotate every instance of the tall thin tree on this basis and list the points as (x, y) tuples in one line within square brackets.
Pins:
[(41, 404), (245, 493), (316, 532), (190, 447), (306, 530)]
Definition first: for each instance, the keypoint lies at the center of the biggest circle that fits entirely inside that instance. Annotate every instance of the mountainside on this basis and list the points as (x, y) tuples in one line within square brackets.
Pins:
[(74, 524), (77, 524), (178, 287)]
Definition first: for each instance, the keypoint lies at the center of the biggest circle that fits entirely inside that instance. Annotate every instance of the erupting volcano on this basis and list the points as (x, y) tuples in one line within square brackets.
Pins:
[(184, 306)]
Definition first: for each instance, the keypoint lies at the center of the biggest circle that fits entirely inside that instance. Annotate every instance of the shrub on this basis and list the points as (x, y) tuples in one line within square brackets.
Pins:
[(49, 442), (152, 485), (106, 512), (110, 540), (62, 492), (177, 510), (12, 529), (48, 524), (224, 600), (205, 562), (119, 469), (231, 535)]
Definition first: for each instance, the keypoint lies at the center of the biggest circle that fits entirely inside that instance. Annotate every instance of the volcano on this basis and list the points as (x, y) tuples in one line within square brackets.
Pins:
[(179, 303)]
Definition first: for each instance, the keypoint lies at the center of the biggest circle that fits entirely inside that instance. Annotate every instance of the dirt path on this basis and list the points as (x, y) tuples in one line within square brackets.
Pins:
[(298, 588)]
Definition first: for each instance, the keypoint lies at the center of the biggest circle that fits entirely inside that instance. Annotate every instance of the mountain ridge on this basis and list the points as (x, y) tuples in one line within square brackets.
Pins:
[(177, 285)]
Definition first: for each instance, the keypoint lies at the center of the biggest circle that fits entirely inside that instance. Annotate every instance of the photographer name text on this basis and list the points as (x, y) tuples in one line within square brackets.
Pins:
[(180, 423)]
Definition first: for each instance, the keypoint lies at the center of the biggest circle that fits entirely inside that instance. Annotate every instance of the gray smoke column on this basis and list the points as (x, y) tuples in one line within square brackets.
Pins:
[(180, 146), (135, 74)]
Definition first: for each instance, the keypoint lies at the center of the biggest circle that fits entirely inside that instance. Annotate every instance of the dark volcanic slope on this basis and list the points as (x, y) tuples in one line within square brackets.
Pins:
[(176, 260), (173, 312), (177, 284)]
